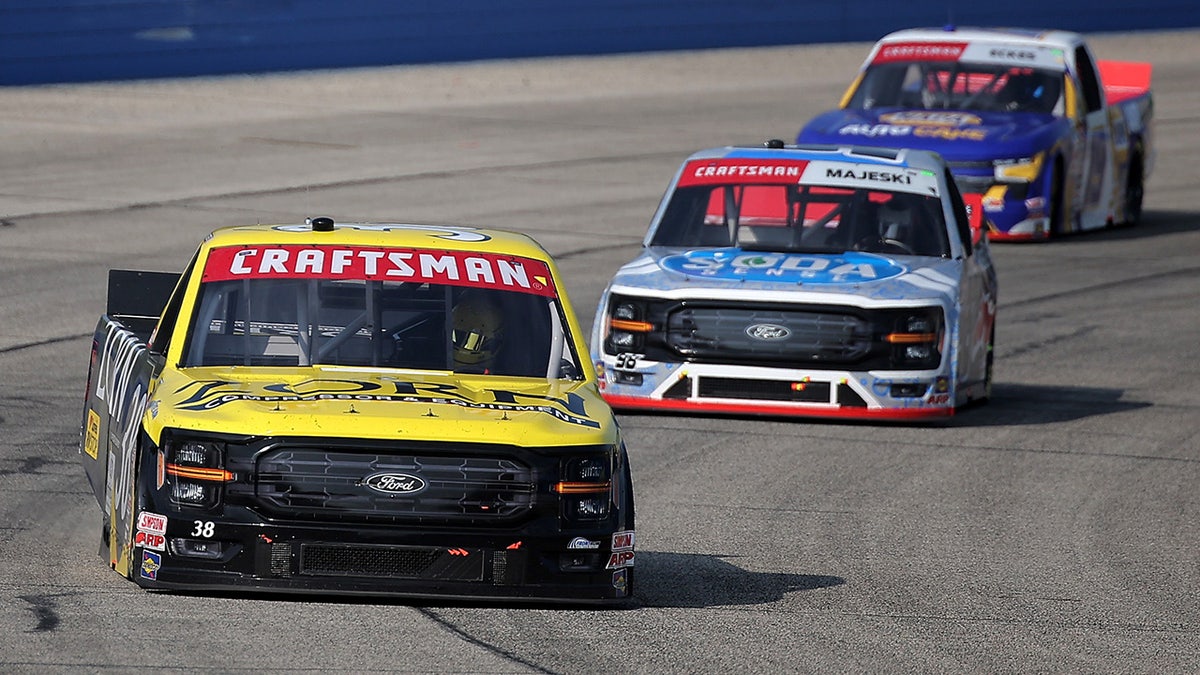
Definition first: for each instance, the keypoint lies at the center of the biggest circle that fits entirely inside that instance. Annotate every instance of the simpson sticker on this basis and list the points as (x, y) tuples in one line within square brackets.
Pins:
[(152, 522), (726, 171), (474, 269), (623, 540), (848, 268)]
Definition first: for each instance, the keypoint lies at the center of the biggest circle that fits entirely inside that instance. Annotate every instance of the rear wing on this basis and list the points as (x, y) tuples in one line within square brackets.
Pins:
[(1123, 80), (136, 299)]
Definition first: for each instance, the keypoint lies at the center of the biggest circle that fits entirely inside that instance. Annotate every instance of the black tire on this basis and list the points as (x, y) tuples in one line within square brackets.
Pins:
[(1135, 188), (1055, 201)]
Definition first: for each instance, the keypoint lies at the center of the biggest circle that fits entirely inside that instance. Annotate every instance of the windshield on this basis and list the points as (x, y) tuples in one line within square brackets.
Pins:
[(803, 218), (284, 321), (958, 85)]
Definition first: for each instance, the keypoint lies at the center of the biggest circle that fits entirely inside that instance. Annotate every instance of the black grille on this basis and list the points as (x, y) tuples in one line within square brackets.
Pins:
[(391, 561), (326, 484), (764, 390), (780, 335)]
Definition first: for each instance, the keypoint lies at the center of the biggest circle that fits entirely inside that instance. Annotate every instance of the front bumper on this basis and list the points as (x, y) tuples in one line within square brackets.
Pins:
[(754, 390), (579, 566)]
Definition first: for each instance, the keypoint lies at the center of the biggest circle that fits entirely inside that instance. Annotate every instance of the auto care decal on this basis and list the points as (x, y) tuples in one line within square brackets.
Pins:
[(475, 269), (921, 124), (735, 264), (212, 394)]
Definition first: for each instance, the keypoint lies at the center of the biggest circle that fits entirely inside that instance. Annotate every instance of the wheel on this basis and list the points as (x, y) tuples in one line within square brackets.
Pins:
[(1055, 203), (989, 367), (1135, 189)]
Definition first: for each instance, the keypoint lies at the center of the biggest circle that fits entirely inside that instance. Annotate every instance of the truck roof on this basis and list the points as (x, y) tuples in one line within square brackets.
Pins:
[(382, 234)]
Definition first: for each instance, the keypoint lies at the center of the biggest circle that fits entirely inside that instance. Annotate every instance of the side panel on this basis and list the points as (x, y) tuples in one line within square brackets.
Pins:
[(118, 388)]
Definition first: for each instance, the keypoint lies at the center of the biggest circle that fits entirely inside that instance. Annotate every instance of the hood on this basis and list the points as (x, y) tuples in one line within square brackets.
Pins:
[(861, 279), (394, 404), (956, 135)]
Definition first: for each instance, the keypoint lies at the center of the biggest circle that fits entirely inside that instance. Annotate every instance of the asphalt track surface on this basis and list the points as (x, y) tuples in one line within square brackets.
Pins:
[(1056, 529)]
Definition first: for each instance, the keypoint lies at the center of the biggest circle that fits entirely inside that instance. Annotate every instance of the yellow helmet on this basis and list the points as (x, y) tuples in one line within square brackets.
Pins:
[(478, 329)]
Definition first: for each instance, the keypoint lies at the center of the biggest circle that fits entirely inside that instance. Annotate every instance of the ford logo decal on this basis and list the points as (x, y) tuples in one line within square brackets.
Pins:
[(767, 331), (394, 483)]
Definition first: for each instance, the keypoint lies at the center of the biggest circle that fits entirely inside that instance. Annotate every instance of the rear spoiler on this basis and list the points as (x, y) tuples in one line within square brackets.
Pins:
[(137, 299), (1123, 80)]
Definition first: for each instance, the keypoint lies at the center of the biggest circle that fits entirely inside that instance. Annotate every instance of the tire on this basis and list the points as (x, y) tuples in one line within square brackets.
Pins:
[(1135, 188), (1055, 202)]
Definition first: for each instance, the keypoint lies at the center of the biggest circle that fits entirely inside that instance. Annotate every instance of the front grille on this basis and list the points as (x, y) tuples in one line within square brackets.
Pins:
[(776, 335), (764, 390), (330, 485), (391, 561)]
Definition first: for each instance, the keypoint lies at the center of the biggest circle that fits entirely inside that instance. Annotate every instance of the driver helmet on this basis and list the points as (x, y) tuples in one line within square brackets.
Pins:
[(896, 219), (477, 332)]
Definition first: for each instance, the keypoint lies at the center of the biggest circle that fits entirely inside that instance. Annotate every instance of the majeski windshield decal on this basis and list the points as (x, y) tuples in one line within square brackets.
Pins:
[(212, 394), (846, 268)]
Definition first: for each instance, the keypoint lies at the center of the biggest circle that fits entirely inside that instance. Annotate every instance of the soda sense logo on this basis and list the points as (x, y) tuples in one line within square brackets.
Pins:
[(847, 268)]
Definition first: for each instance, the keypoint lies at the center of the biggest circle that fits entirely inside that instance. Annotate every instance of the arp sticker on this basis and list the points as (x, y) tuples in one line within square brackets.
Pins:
[(150, 540), (91, 439), (151, 562), (620, 559)]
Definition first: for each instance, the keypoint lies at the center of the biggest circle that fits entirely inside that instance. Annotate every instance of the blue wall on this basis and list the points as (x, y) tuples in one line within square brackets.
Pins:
[(45, 41)]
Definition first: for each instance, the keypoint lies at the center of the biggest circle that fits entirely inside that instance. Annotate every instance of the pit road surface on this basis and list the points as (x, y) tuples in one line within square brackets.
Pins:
[(1056, 529)]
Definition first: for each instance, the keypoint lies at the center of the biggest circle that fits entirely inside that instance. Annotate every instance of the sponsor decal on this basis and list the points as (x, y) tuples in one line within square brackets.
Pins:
[(871, 177), (395, 483), (91, 437), (619, 560), (623, 540), (151, 522), (620, 580), (458, 268), (724, 171), (149, 540), (767, 332), (875, 130), (946, 134), (846, 268), (212, 394), (151, 562), (582, 543), (920, 51), (931, 117)]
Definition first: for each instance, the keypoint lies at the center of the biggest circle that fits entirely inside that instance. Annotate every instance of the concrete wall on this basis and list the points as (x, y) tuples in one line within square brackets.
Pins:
[(43, 41)]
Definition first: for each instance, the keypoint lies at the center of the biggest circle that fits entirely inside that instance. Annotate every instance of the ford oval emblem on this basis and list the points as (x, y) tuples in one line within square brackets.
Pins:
[(767, 331), (395, 483)]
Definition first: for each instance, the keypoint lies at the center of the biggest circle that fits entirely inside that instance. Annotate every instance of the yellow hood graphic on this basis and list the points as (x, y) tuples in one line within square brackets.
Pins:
[(349, 403)]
